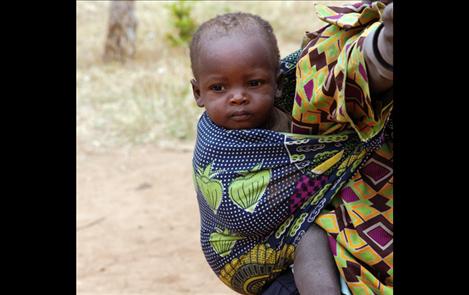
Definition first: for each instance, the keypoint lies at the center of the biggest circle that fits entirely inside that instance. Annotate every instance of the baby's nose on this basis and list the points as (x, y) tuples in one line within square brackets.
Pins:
[(239, 97)]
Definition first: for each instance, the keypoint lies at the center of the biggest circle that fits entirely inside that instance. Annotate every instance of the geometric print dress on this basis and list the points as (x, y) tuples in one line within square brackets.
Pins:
[(332, 94)]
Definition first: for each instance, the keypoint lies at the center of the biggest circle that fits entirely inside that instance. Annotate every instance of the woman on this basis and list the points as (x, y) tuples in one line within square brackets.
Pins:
[(344, 81)]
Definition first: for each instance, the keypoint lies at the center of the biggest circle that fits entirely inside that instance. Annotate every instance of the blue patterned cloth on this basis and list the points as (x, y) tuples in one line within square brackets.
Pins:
[(259, 190)]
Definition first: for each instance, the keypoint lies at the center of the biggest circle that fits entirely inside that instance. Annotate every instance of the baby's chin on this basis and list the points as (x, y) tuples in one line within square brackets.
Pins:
[(238, 125), (242, 121)]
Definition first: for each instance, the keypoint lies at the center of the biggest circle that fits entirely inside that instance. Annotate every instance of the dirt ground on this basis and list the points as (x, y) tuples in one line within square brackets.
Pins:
[(138, 224)]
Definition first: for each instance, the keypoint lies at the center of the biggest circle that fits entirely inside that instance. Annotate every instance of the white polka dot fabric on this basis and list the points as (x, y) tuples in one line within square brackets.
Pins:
[(246, 182)]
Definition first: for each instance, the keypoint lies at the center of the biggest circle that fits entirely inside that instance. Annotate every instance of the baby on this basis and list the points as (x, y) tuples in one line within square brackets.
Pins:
[(235, 63)]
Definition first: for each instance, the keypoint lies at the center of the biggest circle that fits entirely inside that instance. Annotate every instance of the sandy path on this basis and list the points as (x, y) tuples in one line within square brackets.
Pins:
[(138, 224)]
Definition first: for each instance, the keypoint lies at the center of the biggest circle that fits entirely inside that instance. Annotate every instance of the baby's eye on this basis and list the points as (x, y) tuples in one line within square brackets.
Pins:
[(255, 83), (217, 87)]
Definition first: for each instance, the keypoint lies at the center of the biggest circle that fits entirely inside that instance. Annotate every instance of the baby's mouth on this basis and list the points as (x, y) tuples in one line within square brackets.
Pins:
[(241, 115)]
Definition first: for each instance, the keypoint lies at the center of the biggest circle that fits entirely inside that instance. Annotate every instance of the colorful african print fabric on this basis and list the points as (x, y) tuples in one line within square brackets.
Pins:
[(332, 92), (332, 95), (259, 190), (360, 228)]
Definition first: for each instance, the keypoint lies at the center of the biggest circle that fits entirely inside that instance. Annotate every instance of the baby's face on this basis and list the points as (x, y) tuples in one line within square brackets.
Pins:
[(236, 81)]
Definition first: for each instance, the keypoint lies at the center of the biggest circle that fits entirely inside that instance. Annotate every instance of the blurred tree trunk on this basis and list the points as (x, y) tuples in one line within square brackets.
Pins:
[(121, 35)]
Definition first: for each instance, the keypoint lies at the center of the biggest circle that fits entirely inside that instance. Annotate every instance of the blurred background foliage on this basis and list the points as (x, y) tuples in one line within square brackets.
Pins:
[(182, 21)]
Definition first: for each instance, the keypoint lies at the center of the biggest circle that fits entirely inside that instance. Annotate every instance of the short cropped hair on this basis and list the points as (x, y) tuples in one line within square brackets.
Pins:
[(230, 23)]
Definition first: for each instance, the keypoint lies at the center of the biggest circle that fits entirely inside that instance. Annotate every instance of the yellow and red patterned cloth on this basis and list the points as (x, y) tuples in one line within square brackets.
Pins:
[(332, 94)]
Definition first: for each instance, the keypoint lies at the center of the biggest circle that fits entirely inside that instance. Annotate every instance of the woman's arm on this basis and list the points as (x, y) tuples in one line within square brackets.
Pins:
[(378, 52)]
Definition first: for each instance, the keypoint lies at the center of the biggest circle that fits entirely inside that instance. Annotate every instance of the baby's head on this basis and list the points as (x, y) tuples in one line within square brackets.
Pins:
[(235, 63)]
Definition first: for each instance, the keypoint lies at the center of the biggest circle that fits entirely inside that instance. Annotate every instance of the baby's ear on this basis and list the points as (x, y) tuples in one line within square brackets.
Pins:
[(278, 90), (196, 92), (278, 77)]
